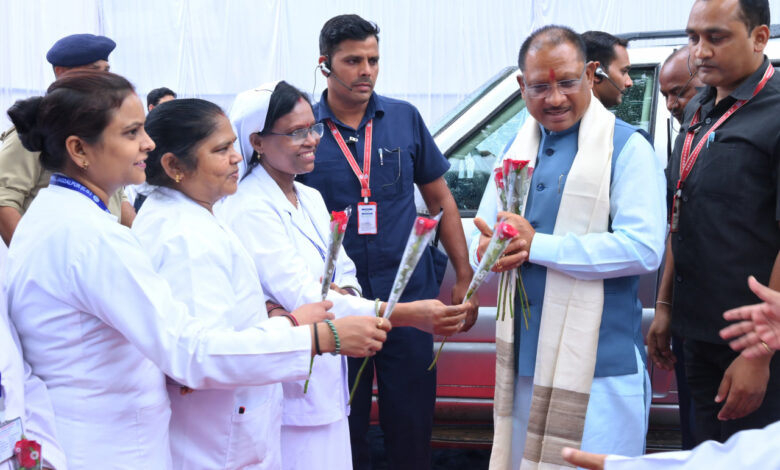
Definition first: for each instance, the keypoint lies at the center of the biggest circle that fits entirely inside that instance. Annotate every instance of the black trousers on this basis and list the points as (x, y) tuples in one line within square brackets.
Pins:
[(687, 417), (705, 364), (406, 398)]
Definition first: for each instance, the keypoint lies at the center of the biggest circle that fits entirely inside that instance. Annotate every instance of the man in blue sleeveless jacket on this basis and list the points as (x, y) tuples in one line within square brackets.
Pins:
[(556, 82)]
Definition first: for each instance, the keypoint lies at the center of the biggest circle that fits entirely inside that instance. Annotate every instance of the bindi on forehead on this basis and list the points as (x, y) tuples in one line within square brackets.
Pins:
[(552, 75)]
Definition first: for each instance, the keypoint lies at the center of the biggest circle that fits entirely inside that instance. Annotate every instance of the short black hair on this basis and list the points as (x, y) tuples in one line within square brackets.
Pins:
[(80, 103), (550, 35), (154, 96), (754, 13), (600, 46), (343, 27), (178, 127)]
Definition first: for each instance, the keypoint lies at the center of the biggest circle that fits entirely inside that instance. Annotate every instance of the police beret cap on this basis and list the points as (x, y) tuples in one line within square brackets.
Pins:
[(80, 49)]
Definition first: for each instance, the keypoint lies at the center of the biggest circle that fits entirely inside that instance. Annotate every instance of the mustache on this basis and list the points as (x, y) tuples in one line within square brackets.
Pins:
[(363, 82), (556, 109)]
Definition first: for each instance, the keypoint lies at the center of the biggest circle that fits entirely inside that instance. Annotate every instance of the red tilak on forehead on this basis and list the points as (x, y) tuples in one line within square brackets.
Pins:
[(552, 75)]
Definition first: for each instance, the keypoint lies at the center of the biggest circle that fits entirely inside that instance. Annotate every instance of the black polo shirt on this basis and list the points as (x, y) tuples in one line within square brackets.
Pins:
[(729, 209)]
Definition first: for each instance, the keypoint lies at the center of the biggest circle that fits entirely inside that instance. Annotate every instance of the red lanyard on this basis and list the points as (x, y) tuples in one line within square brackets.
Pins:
[(362, 176), (688, 158)]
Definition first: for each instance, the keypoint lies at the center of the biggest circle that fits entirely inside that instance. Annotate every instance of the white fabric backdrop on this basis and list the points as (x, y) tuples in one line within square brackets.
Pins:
[(433, 52)]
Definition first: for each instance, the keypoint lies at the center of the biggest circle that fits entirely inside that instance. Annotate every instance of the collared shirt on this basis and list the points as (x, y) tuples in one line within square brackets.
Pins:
[(729, 208), (409, 156), (634, 245)]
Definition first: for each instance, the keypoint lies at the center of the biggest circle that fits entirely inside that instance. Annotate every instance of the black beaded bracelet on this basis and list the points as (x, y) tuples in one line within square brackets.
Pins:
[(317, 341), (335, 337)]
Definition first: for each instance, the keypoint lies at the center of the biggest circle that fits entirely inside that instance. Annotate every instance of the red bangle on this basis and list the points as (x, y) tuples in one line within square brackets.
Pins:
[(271, 307), (292, 318)]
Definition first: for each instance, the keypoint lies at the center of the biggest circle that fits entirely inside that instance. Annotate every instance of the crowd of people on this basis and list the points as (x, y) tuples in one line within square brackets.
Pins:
[(195, 334)]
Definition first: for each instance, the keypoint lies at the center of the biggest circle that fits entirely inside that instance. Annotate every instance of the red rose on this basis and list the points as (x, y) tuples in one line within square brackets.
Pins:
[(517, 165), (338, 220), (499, 174), (28, 453), (506, 231), (507, 166), (423, 225)]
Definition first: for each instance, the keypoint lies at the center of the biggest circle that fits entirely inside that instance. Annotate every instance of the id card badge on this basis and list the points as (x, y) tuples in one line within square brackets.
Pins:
[(10, 434), (674, 226), (367, 218)]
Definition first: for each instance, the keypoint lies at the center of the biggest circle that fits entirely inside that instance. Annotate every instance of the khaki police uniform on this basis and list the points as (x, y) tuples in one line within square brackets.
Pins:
[(22, 176)]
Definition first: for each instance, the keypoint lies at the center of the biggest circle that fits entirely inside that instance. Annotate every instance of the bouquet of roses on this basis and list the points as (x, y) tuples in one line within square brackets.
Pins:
[(28, 454), (517, 180), (338, 226), (512, 187), (503, 233), (422, 232)]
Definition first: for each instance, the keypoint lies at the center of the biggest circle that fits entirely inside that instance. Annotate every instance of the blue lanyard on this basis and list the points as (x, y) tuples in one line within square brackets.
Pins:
[(69, 183)]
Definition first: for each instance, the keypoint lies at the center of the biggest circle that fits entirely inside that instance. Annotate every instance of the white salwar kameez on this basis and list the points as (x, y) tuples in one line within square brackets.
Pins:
[(288, 245), (97, 324)]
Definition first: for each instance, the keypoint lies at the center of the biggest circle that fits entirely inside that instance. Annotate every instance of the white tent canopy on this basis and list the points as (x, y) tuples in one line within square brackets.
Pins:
[(433, 52)]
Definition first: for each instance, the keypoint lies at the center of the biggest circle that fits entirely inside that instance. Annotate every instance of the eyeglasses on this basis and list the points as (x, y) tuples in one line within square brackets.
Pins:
[(565, 87), (300, 135)]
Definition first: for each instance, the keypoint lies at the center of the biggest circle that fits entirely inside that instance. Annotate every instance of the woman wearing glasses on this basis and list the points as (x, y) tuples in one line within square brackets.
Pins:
[(193, 166), (285, 227)]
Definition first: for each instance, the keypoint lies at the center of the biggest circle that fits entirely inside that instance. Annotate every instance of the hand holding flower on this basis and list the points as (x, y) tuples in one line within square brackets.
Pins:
[(360, 336), (459, 293), (431, 316), (516, 252), (498, 244)]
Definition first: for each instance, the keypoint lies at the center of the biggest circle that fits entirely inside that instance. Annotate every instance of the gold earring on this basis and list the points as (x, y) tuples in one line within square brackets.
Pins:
[(84, 164), (177, 178)]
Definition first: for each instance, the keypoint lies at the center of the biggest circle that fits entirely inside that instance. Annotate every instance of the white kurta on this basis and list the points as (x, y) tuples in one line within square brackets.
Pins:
[(208, 269), (288, 245), (25, 394), (95, 322), (754, 449)]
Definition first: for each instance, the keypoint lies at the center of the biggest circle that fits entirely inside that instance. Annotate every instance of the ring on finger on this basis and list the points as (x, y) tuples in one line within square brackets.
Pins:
[(766, 346), (380, 322)]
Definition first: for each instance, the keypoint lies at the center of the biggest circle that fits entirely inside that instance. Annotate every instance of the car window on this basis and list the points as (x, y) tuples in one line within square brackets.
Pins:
[(471, 161), (637, 106)]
